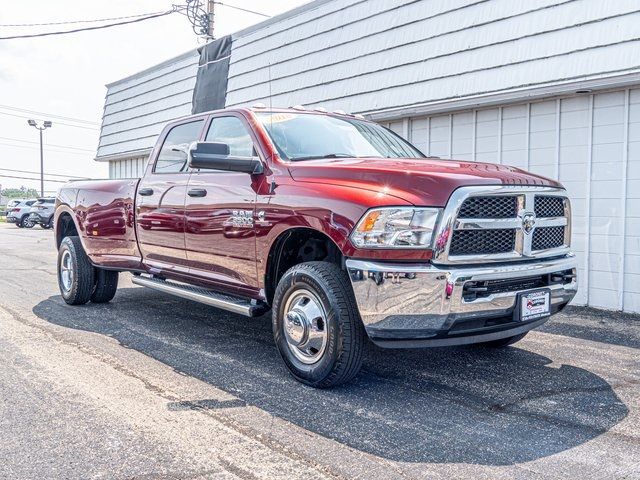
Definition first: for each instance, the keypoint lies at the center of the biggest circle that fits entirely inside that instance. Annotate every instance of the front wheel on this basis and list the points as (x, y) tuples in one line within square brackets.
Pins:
[(316, 324), (75, 272)]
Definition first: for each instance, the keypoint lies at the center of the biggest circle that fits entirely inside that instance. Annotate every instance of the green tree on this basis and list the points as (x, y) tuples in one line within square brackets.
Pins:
[(22, 192)]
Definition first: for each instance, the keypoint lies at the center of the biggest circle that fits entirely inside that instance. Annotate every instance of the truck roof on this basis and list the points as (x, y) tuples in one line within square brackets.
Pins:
[(261, 108)]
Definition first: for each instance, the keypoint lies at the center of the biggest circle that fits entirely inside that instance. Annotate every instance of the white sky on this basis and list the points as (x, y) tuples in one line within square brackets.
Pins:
[(65, 75)]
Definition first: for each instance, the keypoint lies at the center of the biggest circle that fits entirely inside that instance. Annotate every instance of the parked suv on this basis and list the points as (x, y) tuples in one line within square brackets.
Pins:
[(18, 213), (42, 212)]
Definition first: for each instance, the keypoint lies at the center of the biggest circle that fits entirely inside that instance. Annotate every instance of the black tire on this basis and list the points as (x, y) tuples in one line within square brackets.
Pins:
[(81, 283), (50, 222), (504, 342), (345, 335), (106, 284), (25, 223)]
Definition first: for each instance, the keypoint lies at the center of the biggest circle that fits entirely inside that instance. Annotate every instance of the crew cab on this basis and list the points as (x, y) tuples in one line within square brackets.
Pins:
[(341, 228)]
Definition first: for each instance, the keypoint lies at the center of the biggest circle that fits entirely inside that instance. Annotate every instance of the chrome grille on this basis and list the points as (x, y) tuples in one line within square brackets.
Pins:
[(482, 242), (547, 237), (503, 223), (548, 206), (489, 207)]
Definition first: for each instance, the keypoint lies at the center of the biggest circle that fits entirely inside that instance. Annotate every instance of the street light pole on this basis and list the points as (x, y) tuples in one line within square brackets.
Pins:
[(41, 166), (46, 124)]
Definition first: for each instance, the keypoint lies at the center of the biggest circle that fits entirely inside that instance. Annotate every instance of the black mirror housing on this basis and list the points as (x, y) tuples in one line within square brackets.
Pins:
[(215, 156)]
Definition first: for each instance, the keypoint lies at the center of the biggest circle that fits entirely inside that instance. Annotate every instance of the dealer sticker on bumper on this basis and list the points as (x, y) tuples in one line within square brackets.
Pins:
[(535, 305)]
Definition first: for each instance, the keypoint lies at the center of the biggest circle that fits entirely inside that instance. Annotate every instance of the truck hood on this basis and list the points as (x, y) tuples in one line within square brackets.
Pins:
[(424, 181)]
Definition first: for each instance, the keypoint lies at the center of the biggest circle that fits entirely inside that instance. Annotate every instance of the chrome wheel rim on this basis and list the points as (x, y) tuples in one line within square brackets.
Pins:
[(66, 271), (305, 326)]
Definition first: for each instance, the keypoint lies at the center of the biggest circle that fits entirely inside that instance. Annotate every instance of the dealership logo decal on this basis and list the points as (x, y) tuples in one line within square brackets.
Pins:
[(528, 222)]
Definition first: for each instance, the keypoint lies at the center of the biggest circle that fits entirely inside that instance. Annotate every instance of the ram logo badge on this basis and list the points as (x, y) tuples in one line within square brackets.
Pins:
[(240, 218)]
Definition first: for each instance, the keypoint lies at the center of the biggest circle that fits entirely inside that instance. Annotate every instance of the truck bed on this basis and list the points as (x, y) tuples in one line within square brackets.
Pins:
[(105, 214)]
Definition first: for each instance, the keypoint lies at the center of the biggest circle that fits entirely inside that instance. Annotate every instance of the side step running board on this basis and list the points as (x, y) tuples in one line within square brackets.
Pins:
[(232, 304)]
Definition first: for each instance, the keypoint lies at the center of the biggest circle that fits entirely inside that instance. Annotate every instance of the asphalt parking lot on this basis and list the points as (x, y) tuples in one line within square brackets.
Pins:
[(150, 386)]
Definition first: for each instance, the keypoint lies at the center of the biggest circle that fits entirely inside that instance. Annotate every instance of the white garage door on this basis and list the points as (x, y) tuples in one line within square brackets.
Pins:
[(591, 143)]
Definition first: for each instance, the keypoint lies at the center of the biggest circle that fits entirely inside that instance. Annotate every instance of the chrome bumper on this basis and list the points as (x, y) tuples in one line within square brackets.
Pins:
[(406, 305)]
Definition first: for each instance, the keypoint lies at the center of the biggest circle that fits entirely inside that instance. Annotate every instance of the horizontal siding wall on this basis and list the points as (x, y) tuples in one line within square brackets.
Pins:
[(137, 108), (591, 144), (128, 168), (366, 56)]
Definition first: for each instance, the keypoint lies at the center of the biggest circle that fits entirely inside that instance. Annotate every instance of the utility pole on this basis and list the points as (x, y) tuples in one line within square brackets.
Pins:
[(210, 14), (46, 124)]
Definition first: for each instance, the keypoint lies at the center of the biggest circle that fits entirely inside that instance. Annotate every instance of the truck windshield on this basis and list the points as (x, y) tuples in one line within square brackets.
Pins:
[(306, 136)]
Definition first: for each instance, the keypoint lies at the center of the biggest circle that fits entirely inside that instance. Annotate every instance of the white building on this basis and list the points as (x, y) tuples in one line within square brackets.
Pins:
[(552, 86)]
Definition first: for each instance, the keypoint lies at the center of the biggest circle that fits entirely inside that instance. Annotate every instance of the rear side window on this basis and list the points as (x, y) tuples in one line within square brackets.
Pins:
[(30, 202), (173, 154)]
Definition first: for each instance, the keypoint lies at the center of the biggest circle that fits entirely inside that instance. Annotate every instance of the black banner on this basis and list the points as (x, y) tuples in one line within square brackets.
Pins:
[(210, 91)]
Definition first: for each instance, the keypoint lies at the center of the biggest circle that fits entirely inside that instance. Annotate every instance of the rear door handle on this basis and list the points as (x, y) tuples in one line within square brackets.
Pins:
[(197, 192), (145, 192)]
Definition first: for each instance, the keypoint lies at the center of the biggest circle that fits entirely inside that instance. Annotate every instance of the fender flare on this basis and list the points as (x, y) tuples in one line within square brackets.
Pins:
[(59, 211)]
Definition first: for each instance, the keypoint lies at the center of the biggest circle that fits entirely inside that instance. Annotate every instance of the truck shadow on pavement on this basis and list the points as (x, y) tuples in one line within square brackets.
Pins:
[(470, 405)]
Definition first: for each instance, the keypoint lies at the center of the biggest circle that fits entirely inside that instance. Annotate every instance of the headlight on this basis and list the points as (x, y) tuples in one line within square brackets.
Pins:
[(396, 227)]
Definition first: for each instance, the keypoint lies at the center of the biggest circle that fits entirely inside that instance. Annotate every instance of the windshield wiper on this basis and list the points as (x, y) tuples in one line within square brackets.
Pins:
[(329, 155)]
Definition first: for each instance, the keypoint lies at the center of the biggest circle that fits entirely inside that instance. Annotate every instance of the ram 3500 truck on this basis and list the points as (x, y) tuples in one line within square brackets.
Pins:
[(342, 228)]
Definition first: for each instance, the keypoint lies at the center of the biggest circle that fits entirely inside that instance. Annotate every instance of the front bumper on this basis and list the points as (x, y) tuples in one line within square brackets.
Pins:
[(418, 305)]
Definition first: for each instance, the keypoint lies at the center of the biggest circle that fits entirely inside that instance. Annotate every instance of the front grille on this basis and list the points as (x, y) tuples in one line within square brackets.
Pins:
[(482, 242), (548, 206), (494, 225), (489, 207), (547, 237)]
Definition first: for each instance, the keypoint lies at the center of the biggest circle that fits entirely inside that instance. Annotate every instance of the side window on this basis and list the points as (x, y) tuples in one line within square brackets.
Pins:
[(231, 131), (173, 154)]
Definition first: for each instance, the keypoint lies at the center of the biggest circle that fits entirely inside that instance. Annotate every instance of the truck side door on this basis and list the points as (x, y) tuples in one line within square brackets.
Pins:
[(160, 200), (220, 212)]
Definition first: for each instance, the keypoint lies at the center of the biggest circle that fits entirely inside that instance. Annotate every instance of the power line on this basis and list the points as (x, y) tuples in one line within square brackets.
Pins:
[(38, 173), (197, 15), (57, 122), (34, 179), (77, 21), (84, 29), (243, 9), (34, 112), (47, 144), (48, 149)]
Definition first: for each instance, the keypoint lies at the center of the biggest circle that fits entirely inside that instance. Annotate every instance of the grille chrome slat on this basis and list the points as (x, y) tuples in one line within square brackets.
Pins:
[(527, 222)]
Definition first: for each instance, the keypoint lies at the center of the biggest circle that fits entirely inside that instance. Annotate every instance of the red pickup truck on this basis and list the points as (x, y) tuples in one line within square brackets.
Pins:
[(339, 226)]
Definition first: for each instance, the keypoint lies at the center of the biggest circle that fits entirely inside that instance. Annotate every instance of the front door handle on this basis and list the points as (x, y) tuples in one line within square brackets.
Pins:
[(145, 192), (197, 192)]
